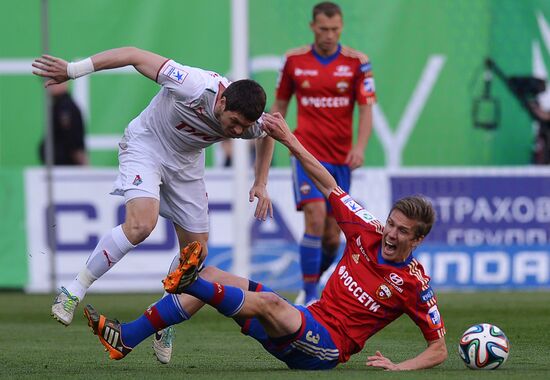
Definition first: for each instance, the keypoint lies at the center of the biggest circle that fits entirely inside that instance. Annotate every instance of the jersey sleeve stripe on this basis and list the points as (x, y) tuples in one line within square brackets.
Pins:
[(160, 68), (338, 191), (415, 271), (298, 51), (352, 53)]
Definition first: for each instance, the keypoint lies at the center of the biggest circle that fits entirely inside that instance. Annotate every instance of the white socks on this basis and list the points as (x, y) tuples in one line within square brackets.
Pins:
[(111, 248)]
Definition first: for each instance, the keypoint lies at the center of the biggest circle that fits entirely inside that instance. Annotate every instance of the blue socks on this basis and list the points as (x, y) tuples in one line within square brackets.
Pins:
[(228, 300), (166, 312), (310, 262)]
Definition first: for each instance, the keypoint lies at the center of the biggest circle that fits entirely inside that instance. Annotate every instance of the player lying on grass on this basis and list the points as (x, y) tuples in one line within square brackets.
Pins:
[(376, 281)]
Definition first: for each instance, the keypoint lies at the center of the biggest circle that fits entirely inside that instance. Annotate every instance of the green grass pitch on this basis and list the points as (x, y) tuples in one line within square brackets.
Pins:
[(210, 346)]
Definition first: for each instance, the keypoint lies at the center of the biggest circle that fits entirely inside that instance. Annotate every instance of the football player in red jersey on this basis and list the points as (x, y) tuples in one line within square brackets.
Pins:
[(376, 281), (327, 80)]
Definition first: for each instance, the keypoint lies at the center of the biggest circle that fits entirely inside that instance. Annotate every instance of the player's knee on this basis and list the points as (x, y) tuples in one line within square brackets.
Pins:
[(139, 229), (314, 226), (210, 273), (204, 251), (269, 303), (331, 243)]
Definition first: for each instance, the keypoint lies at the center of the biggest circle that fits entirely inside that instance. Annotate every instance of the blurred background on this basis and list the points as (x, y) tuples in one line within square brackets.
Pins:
[(453, 121)]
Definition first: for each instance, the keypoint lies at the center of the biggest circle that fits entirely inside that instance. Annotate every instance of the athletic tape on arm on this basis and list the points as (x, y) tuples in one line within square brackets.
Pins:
[(80, 68)]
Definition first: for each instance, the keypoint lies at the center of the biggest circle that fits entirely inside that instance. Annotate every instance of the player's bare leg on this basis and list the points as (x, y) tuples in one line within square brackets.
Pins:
[(141, 218)]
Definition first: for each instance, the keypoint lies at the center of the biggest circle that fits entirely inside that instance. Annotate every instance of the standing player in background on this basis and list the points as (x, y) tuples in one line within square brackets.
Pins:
[(327, 79), (68, 129), (376, 281), (161, 158)]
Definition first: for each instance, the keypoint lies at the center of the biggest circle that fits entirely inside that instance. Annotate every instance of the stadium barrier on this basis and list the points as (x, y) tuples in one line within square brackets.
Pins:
[(493, 227)]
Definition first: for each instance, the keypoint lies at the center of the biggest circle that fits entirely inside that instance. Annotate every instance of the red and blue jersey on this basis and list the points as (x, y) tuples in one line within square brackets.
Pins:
[(366, 293), (326, 90)]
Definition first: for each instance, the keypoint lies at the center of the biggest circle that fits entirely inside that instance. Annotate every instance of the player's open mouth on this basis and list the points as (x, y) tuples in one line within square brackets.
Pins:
[(389, 247)]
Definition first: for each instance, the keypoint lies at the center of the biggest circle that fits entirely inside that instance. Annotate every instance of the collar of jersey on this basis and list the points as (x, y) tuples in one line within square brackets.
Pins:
[(391, 263), (326, 60)]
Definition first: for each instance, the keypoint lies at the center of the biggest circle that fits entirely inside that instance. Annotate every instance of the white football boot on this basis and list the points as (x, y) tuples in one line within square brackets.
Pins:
[(163, 342), (63, 306)]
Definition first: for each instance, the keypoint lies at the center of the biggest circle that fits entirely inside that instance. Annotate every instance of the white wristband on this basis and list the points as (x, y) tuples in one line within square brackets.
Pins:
[(80, 68)]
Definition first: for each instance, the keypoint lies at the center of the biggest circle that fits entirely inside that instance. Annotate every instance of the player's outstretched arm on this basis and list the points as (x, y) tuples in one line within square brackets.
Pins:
[(276, 127), (59, 70), (356, 155), (264, 153), (434, 354)]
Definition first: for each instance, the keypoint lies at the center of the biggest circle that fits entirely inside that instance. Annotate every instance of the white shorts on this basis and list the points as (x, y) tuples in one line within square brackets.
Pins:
[(176, 180)]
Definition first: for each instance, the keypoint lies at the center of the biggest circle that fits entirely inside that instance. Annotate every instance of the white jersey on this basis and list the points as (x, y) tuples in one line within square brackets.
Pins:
[(181, 115)]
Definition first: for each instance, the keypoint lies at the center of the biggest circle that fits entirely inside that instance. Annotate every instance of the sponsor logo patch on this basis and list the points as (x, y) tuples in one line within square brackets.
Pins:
[(305, 72), (343, 71), (427, 295), (360, 246), (434, 318), (175, 74), (325, 101), (368, 85), (365, 215), (396, 287), (365, 67), (348, 283), (396, 279), (351, 204)]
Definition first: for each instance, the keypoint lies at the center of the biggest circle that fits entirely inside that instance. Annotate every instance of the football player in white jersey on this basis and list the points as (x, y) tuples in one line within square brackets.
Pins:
[(161, 157)]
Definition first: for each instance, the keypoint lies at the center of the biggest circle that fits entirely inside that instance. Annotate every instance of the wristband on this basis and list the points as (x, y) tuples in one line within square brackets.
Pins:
[(80, 68)]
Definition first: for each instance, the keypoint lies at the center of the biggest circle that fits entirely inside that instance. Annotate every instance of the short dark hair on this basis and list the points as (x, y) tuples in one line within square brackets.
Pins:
[(418, 208), (327, 8), (246, 97)]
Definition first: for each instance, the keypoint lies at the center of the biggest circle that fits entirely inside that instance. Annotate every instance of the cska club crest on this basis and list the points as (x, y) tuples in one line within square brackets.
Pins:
[(137, 181), (383, 292), (305, 188)]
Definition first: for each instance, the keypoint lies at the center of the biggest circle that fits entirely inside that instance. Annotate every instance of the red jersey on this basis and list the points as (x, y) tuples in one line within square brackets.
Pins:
[(326, 89), (365, 293)]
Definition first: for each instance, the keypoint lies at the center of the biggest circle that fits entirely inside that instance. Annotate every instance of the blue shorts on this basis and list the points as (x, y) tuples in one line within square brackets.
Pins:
[(311, 349), (304, 189)]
